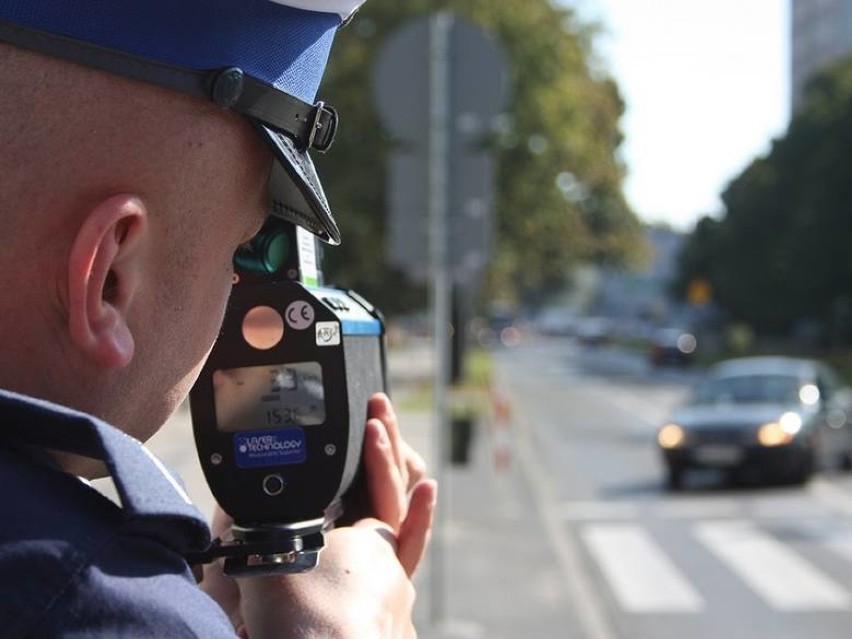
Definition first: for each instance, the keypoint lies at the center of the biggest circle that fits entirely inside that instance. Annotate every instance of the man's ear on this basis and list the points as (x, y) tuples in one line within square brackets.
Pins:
[(104, 269)]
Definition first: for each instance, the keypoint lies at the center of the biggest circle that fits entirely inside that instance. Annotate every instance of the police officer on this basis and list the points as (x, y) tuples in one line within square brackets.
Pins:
[(142, 143)]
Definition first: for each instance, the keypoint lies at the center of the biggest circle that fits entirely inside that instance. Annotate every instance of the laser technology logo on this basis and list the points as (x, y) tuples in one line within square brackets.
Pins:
[(270, 448)]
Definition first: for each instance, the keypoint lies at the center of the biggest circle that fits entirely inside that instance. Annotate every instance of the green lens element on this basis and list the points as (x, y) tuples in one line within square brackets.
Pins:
[(276, 251), (266, 253)]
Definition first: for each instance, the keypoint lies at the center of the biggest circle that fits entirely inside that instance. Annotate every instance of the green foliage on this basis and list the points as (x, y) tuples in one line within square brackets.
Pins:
[(564, 122), (469, 397), (781, 253), (478, 368)]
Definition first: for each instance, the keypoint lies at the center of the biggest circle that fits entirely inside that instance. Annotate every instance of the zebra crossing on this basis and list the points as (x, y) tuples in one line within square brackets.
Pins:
[(643, 578), (792, 552), (780, 576)]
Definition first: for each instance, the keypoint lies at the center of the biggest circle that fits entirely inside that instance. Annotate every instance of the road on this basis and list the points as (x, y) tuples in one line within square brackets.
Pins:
[(637, 561), (560, 525)]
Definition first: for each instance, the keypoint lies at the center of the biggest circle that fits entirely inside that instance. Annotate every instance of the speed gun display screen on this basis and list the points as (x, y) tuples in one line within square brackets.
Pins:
[(276, 396)]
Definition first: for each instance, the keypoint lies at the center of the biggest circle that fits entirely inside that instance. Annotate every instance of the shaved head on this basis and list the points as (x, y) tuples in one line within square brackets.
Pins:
[(72, 139), (69, 130)]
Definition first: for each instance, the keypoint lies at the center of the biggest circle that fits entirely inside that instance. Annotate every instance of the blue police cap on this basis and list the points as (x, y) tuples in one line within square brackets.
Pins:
[(261, 58)]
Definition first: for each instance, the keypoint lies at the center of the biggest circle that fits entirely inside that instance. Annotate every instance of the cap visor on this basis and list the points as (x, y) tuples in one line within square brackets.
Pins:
[(295, 191)]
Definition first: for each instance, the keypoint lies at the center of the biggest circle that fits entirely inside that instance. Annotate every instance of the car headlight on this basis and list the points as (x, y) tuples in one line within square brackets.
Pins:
[(781, 432), (671, 436), (687, 343)]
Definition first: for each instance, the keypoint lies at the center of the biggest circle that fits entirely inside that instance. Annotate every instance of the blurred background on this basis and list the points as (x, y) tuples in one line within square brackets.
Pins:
[(591, 204)]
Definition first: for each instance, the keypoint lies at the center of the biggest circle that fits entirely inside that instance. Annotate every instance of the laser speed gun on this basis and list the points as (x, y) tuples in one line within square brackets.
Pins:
[(279, 409)]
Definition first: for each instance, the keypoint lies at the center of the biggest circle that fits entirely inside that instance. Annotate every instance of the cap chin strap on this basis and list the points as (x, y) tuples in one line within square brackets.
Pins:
[(310, 126)]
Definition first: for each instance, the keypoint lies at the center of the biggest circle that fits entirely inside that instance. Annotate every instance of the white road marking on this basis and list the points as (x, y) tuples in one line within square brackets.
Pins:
[(622, 510), (642, 577), (840, 544), (697, 508), (782, 578), (833, 535), (837, 499), (597, 510), (796, 506)]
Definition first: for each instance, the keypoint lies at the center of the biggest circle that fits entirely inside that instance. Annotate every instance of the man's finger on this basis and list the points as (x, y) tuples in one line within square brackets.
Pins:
[(416, 530), (415, 465), (380, 407), (385, 485)]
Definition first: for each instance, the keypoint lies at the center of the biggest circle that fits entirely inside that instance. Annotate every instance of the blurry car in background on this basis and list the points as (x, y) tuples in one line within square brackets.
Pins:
[(499, 329), (593, 331), (672, 346), (555, 322), (785, 416)]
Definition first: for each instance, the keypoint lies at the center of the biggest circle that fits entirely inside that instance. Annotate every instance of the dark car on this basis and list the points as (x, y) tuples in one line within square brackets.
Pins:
[(672, 346), (593, 331), (781, 415)]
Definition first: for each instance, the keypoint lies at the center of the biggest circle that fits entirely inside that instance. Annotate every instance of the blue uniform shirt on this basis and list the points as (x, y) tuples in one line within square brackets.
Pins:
[(73, 563)]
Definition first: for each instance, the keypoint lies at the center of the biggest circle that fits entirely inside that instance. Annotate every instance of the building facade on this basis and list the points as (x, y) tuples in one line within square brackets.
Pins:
[(821, 34)]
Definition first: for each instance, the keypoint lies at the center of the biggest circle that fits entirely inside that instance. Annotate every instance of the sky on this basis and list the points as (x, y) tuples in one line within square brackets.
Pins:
[(706, 84)]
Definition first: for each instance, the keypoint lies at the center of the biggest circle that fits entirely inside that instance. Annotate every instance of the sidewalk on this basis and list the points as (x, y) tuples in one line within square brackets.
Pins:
[(494, 575), (490, 572)]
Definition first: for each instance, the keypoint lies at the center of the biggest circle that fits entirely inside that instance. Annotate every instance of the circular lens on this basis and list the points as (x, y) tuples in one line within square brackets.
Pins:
[(276, 249), (265, 254), (263, 327)]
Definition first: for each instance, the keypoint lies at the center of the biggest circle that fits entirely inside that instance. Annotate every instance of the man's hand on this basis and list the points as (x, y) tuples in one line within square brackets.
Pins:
[(362, 586), (398, 495)]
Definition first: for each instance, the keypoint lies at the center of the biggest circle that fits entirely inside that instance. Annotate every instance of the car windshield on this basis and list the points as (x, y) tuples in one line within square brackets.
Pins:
[(747, 389)]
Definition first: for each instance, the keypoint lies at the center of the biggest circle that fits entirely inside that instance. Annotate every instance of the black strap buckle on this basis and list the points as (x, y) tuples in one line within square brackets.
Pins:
[(310, 126), (323, 128)]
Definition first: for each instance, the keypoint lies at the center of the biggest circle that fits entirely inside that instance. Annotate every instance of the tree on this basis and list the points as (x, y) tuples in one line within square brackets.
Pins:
[(780, 253), (559, 197)]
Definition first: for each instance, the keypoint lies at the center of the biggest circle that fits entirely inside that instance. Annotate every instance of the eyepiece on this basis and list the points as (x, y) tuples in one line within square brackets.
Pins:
[(266, 253)]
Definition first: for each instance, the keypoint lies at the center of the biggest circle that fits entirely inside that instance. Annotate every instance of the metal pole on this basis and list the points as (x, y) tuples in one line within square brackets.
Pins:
[(439, 99)]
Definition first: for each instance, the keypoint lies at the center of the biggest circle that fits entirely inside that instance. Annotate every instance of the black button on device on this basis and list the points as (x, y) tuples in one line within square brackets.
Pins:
[(336, 303), (273, 485)]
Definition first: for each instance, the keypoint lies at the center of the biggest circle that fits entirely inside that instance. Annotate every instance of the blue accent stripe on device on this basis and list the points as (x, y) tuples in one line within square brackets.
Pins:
[(361, 327)]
